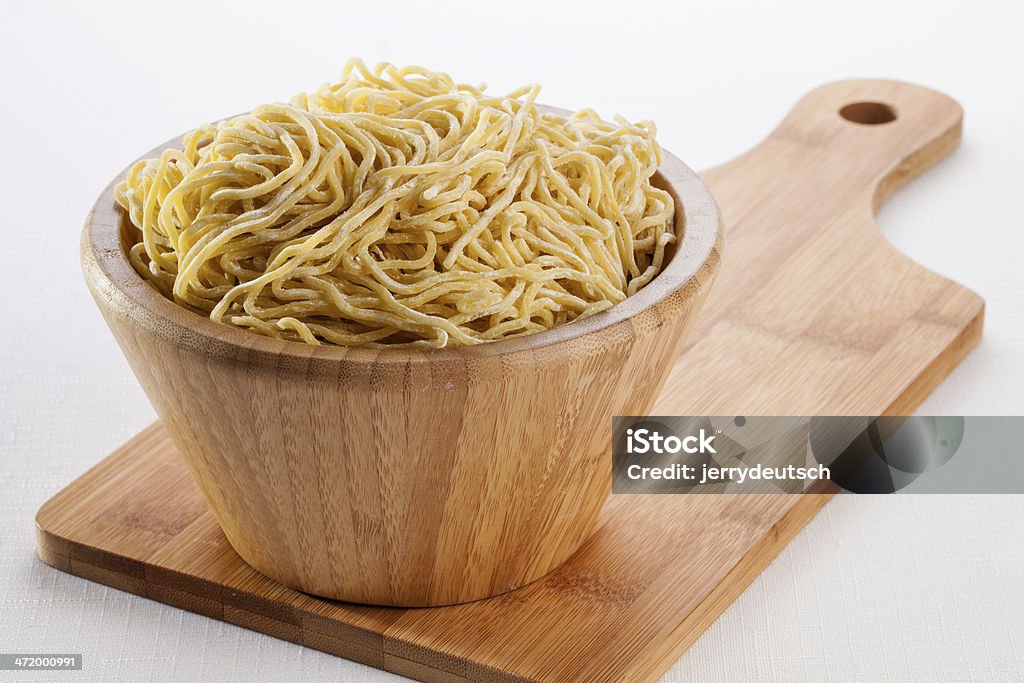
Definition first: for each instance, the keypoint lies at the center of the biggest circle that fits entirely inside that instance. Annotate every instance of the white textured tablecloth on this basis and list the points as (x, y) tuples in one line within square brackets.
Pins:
[(876, 588)]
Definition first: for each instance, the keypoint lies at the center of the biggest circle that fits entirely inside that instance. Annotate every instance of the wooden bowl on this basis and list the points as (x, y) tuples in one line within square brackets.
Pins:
[(402, 476)]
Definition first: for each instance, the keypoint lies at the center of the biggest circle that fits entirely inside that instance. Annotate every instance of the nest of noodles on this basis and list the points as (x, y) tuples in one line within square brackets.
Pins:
[(397, 207)]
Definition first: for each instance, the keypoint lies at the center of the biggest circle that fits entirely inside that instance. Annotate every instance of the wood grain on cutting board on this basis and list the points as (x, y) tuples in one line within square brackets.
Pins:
[(814, 313)]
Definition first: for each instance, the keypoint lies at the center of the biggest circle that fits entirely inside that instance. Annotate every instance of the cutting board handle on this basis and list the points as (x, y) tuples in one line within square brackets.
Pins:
[(875, 134), (809, 286)]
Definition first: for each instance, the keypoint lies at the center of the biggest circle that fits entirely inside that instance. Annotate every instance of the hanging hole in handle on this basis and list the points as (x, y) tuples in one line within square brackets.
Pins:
[(868, 113)]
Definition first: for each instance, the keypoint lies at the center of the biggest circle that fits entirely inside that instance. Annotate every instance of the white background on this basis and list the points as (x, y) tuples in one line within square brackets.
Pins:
[(898, 588)]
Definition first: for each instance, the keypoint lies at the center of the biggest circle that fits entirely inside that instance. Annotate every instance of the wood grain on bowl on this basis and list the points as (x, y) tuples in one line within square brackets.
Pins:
[(405, 476)]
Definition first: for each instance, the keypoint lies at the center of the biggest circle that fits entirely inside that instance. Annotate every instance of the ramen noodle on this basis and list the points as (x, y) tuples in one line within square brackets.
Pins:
[(397, 207)]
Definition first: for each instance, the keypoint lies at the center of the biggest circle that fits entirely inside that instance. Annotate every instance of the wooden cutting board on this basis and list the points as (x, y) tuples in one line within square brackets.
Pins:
[(813, 313)]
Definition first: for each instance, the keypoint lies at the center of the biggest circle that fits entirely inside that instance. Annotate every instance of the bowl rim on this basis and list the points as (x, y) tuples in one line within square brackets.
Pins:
[(112, 278)]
